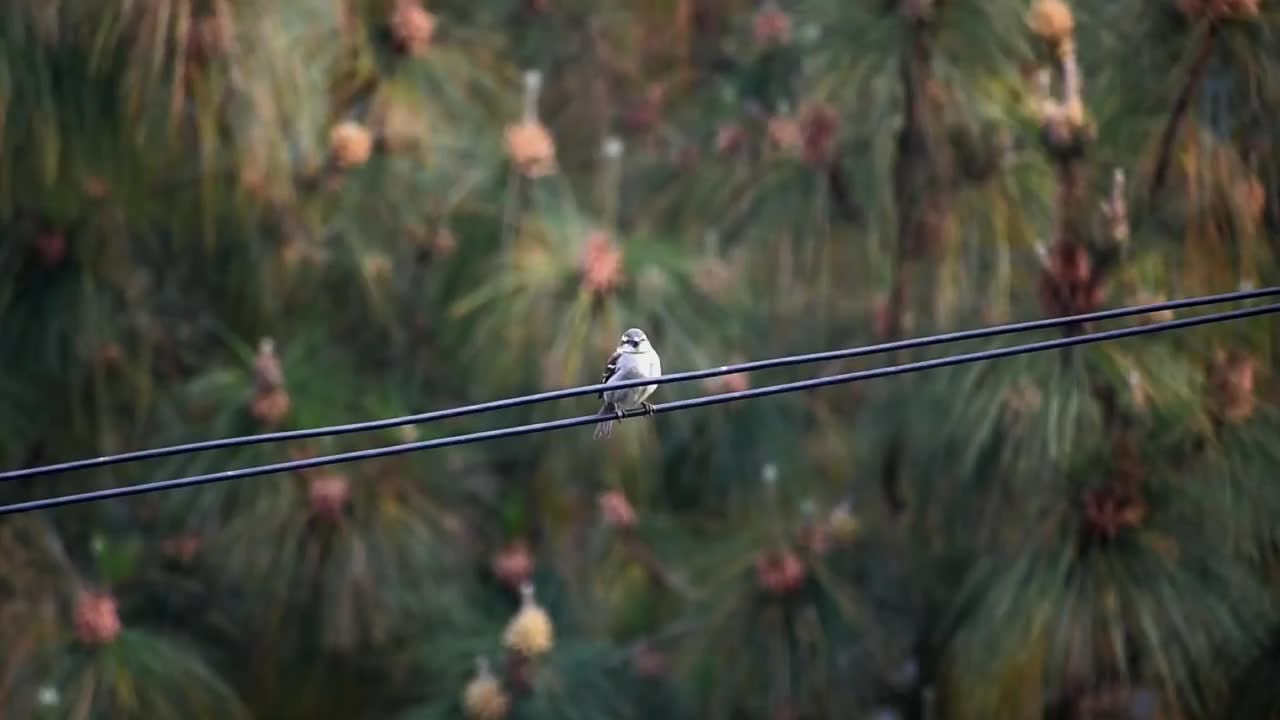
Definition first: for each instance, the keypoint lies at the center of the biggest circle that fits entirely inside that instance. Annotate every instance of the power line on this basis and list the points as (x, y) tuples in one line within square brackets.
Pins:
[(673, 406), (514, 402)]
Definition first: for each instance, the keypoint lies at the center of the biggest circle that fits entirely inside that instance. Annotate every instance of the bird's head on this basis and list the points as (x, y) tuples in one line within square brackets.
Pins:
[(634, 341)]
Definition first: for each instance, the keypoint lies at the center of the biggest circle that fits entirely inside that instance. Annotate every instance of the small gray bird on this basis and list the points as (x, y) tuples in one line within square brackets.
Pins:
[(635, 358)]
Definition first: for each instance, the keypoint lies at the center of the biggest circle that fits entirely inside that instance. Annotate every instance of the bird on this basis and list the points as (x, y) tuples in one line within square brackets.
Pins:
[(635, 358)]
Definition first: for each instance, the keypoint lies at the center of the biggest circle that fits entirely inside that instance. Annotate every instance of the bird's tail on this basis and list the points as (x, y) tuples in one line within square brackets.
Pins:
[(604, 429)]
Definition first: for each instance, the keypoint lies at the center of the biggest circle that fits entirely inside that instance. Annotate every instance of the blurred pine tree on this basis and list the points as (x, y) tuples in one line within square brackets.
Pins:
[(223, 216)]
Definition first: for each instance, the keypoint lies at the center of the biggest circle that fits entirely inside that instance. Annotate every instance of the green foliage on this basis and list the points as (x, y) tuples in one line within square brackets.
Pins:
[(366, 185)]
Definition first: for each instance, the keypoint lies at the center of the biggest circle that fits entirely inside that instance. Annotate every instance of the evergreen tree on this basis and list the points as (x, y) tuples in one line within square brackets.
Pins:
[(225, 217)]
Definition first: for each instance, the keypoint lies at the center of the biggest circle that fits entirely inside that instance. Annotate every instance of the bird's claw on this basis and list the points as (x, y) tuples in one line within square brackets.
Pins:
[(620, 413), (648, 408)]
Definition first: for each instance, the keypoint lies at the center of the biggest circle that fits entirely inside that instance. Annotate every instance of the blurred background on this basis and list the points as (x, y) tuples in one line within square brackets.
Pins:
[(225, 217)]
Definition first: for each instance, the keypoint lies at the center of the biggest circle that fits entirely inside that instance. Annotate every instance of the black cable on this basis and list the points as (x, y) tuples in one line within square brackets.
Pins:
[(673, 406), (504, 404)]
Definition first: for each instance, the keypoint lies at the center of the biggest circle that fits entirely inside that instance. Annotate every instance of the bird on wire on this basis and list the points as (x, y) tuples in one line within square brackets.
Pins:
[(634, 359)]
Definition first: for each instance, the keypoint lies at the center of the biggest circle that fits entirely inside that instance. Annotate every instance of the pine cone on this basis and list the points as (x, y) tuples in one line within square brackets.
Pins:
[(781, 572), (484, 697), (514, 564), (271, 407), (1109, 510), (328, 495), (601, 263), (784, 134), (1118, 505), (1051, 20), (771, 26), (350, 144), (1252, 197), (819, 126), (530, 632), (843, 524), (267, 372), (271, 401), (1232, 379), (97, 620), (376, 268), (730, 139), (617, 510), (531, 148), (412, 27), (1068, 285)]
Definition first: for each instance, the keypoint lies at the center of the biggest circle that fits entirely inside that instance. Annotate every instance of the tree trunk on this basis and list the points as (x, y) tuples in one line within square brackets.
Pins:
[(924, 200)]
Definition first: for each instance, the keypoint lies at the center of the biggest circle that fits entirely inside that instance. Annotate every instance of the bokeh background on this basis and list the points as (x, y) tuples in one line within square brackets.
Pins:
[(223, 217)]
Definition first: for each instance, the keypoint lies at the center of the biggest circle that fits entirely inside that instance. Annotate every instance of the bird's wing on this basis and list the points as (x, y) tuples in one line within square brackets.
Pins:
[(609, 370)]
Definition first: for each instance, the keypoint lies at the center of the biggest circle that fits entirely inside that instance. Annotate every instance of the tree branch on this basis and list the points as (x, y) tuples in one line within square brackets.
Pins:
[(1194, 76)]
